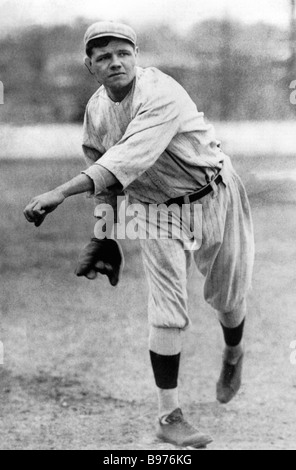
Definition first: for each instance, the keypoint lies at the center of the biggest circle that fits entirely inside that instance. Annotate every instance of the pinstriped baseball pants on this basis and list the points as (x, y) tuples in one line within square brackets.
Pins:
[(225, 259)]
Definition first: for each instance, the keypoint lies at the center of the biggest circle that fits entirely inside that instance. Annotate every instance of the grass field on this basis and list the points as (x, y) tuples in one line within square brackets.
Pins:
[(244, 138), (76, 371)]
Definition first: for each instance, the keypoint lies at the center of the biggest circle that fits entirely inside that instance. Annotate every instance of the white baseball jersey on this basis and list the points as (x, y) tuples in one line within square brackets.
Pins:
[(155, 141), (159, 147)]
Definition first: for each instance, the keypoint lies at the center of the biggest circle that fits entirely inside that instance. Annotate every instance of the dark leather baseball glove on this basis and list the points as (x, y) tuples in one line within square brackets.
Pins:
[(101, 256)]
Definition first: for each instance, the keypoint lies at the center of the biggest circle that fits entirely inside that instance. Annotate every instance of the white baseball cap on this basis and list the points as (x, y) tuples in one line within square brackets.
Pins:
[(109, 28)]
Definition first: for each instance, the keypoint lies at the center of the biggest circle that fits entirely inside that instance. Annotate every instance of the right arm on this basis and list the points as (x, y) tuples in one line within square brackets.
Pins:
[(109, 197)]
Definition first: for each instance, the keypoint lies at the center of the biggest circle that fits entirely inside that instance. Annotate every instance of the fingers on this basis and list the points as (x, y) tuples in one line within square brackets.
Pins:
[(34, 213), (100, 267), (38, 209), (114, 279), (106, 268), (39, 215), (40, 220), (91, 275), (28, 212), (42, 205), (103, 268)]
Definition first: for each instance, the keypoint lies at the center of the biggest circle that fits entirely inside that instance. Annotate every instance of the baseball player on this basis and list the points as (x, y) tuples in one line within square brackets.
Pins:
[(144, 137)]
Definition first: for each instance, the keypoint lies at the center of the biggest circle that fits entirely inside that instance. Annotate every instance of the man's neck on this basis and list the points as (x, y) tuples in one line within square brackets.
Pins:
[(118, 95)]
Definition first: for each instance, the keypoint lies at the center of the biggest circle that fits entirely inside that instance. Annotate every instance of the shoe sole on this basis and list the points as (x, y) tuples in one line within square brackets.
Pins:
[(201, 444)]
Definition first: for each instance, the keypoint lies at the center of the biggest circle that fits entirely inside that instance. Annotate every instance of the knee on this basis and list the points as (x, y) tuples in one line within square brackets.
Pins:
[(234, 316)]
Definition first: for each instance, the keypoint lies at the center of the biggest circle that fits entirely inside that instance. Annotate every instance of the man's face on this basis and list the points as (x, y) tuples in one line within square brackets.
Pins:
[(114, 64)]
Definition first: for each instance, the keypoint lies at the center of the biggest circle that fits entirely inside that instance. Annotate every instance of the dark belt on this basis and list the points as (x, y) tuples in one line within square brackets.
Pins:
[(196, 196)]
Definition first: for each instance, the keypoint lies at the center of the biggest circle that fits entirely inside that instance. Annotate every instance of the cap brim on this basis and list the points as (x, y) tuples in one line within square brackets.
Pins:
[(113, 35)]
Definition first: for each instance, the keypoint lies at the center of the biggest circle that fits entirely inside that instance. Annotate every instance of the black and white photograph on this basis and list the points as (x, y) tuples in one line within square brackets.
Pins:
[(148, 227)]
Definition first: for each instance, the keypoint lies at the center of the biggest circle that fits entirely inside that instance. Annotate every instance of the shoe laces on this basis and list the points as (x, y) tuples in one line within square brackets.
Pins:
[(176, 417)]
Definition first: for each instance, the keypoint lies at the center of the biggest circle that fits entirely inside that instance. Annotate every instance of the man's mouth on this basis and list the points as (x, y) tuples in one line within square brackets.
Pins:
[(116, 74)]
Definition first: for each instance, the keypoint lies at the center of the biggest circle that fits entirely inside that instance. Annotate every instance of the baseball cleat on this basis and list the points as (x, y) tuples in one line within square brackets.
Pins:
[(230, 379), (175, 430)]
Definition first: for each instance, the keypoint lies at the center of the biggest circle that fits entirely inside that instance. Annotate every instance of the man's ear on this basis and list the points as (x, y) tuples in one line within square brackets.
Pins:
[(88, 64)]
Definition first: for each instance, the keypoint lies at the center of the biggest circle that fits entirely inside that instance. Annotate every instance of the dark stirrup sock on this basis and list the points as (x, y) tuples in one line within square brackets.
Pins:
[(166, 370), (233, 336)]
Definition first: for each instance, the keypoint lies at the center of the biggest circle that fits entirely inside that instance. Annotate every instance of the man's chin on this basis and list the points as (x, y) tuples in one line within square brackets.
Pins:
[(118, 79), (120, 82)]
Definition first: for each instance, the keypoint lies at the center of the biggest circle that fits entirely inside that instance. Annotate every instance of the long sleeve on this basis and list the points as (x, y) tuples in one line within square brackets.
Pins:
[(109, 197), (92, 155), (146, 138)]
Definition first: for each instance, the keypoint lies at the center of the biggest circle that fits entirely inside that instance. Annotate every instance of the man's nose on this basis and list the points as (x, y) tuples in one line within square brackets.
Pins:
[(115, 62)]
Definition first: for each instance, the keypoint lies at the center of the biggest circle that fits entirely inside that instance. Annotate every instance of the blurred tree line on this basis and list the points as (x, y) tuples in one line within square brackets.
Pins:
[(231, 70)]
